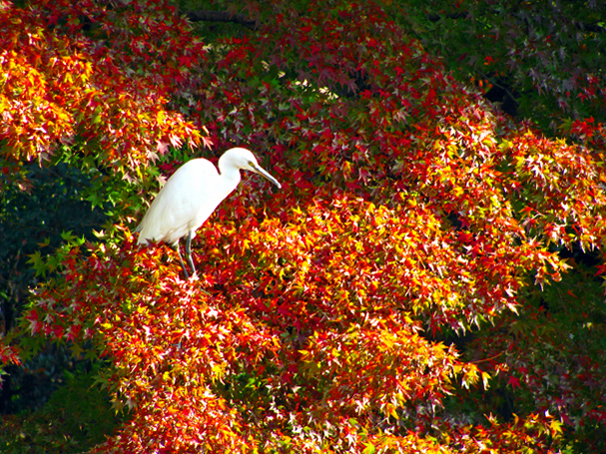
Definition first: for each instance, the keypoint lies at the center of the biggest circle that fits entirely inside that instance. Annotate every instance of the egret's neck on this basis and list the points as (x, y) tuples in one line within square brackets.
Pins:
[(230, 175)]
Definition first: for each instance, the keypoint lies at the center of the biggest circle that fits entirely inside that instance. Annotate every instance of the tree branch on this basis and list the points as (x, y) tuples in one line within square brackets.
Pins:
[(221, 16), (464, 14), (457, 15)]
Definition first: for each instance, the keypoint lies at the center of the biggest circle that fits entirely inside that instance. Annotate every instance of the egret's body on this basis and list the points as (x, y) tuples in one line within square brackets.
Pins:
[(190, 196)]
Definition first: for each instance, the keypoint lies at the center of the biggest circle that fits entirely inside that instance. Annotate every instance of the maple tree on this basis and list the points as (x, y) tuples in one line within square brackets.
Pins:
[(330, 315)]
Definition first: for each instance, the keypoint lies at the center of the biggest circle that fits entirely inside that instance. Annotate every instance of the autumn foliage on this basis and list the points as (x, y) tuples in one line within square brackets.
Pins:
[(326, 314)]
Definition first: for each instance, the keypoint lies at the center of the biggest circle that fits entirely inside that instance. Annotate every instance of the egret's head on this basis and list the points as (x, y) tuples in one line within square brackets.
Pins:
[(241, 158)]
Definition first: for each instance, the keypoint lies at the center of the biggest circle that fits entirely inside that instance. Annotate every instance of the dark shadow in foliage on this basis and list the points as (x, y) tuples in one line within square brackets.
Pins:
[(553, 353), (503, 94), (77, 417), (587, 258), (33, 215), (558, 341), (359, 83)]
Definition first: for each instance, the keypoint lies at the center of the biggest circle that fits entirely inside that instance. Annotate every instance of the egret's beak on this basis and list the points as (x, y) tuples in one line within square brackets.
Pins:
[(261, 171)]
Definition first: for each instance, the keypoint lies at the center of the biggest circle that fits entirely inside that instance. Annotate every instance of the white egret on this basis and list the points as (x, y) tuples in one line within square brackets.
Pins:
[(190, 196)]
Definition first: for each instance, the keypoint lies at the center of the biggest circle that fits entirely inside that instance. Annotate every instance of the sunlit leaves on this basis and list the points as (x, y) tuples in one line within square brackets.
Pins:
[(166, 356), (67, 89)]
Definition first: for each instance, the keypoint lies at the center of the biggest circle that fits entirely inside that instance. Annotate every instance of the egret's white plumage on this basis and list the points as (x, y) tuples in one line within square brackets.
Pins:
[(190, 196)]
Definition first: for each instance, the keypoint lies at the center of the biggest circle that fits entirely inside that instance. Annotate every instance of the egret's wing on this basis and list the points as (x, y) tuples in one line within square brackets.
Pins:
[(183, 204)]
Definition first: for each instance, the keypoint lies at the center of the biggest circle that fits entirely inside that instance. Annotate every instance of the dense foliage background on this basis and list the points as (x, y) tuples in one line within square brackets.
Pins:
[(428, 279)]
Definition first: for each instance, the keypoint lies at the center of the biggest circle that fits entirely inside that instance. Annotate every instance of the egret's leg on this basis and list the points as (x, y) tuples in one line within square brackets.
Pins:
[(176, 246), (188, 253)]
